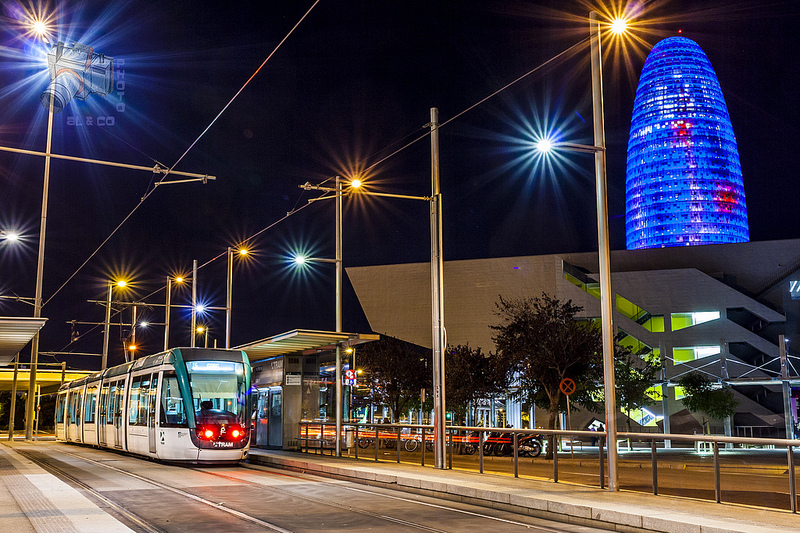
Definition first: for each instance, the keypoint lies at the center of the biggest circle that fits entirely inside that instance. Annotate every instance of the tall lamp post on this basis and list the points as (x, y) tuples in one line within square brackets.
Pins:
[(606, 310), (604, 250), (75, 72), (167, 305), (229, 292), (107, 322)]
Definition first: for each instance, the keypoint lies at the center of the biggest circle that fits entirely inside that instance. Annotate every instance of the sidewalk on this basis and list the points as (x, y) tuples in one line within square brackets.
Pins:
[(33, 500), (564, 502)]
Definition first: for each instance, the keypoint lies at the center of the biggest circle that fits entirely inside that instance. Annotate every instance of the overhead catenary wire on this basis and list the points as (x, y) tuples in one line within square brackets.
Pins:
[(167, 172)]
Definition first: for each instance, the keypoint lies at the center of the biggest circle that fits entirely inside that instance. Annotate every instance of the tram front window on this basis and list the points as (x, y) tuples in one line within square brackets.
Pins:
[(218, 390)]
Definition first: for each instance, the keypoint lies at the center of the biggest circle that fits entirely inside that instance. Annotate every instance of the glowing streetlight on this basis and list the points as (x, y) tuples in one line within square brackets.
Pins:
[(107, 323), (177, 279), (355, 184), (619, 26), (242, 251), (203, 330), (544, 146), (9, 236)]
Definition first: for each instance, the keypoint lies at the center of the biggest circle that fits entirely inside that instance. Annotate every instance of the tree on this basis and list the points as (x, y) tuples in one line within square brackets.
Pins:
[(470, 375), (395, 372), (543, 343), (634, 373), (703, 395)]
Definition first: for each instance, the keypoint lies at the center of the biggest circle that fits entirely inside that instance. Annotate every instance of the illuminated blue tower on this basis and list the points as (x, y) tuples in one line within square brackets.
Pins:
[(684, 181)]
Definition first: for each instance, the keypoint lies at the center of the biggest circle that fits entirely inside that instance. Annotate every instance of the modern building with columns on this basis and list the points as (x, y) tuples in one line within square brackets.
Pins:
[(720, 309)]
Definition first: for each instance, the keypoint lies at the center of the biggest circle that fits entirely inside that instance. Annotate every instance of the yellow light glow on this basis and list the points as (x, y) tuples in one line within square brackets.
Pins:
[(131, 347), (122, 283), (355, 184), (40, 28), (619, 26), (243, 251), (179, 280), (200, 329), (348, 350), (359, 371)]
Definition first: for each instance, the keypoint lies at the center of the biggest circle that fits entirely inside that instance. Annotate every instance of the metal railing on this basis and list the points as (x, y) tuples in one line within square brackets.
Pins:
[(318, 437)]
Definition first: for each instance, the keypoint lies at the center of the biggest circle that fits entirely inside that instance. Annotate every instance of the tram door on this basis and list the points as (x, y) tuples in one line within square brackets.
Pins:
[(101, 421), (119, 400), (151, 413)]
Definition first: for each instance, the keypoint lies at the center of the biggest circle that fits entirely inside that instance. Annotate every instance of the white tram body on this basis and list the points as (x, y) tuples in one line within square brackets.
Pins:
[(185, 405)]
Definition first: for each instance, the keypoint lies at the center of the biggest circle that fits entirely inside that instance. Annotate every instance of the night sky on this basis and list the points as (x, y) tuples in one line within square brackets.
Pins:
[(354, 83)]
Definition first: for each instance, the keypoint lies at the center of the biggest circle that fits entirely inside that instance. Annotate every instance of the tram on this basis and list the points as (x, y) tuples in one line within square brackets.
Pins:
[(183, 405)]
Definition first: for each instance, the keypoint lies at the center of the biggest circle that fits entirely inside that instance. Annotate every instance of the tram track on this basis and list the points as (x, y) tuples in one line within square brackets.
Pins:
[(283, 491)]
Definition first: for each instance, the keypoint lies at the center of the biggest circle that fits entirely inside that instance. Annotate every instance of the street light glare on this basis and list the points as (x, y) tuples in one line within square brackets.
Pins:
[(200, 308), (355, 184), (11, 236), (300, 259), (243, 251), (179, 279), (131, 347), (544, 146), (40, 28), (619, 26), (144, 324), (200, 329), (122, 283)]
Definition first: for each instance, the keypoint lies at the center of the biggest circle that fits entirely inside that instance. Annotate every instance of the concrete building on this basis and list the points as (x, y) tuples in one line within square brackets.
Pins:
[(719, 309)]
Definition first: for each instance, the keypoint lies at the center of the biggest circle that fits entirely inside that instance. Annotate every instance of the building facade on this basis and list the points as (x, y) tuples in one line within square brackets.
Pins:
[(684, 181), (717, 309)]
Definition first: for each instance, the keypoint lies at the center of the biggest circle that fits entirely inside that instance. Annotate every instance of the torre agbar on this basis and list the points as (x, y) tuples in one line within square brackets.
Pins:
[(684, 181)]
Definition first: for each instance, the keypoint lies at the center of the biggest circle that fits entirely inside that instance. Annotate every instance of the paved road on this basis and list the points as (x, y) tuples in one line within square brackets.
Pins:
[(149, 497)]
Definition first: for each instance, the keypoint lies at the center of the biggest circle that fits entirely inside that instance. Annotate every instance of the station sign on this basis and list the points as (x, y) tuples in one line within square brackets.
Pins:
[(349, 377)]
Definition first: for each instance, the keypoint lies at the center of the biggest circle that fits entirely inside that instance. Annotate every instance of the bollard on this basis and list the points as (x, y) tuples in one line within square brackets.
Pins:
[(356, 439), (516, 456), (792, 488), (717, 490), (602, 461), (555, 464), (480, 450), (654, 466)]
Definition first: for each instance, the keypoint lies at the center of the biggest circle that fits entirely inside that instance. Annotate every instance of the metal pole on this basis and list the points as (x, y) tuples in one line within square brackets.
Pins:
[(786, 389), (166, 313), (13, 411), (38, 408), (603, 251), (339, 403), (37, 303), (107, 327), (133, 325), (229, 301), (437, 298), (194, 302)]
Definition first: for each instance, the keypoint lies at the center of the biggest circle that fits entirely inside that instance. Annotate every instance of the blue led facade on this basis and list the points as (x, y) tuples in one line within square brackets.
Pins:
[(684, 181)]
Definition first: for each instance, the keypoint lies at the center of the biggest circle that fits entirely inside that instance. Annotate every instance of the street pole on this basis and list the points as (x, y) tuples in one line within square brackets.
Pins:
[(339, 403), (229, 299), (785, 388), (13, 409), (107, 327), (437, 299), (604, 252), (194, 302), (37, 303), (166, 313)]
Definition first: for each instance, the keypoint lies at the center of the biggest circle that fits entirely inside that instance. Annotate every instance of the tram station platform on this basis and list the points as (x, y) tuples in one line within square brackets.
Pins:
[(564, 502), (33, 500)]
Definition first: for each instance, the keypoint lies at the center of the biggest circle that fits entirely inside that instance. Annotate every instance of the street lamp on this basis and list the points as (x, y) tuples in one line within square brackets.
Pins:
[(107, 323), (337, 196), (69, 78), (203, 330), (177, 279), (229, 303), (618, 26)]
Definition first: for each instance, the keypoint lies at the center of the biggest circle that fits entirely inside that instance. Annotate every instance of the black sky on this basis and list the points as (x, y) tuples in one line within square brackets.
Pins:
[(353, 83)]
